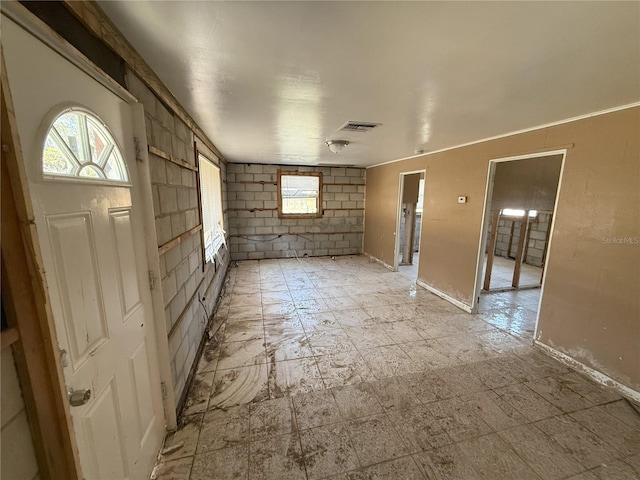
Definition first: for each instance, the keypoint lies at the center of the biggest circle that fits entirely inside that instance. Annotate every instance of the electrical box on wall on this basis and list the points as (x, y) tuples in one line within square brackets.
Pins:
[(462, 199)]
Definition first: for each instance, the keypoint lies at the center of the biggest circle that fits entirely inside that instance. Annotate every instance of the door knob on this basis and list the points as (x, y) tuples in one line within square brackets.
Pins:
[(78, 397)]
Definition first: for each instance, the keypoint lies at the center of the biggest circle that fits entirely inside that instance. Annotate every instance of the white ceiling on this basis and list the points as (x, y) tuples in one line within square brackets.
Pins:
[(269, 82)]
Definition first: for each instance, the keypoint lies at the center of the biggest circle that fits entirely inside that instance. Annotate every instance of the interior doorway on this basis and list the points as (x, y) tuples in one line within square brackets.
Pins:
[(409, 223), (516, 239)]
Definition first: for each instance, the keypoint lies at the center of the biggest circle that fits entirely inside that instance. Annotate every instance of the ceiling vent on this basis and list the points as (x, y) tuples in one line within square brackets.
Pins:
[(352, 126)]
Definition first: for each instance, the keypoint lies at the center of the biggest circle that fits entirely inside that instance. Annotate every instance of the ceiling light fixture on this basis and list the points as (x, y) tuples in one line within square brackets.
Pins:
[(336, 146)]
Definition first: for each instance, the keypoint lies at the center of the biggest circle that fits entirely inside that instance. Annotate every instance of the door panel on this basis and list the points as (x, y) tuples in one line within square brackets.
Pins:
[(103, 427), (93, 252), (123, 241), (76, 272)]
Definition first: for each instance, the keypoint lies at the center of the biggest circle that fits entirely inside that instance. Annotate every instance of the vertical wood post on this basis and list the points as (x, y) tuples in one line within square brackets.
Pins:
[(492, 248), (524, 224), (546, 248)]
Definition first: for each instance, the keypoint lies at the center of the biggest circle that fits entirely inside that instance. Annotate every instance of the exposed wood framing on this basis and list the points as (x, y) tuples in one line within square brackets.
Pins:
[(91, 16), (524, 226), (492, 249), (9, 337), (181, 163), (25, 298), (546, 248), (176, 241)]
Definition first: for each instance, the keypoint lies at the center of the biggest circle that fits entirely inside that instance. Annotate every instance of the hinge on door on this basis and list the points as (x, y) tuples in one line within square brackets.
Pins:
[(136, 143), (152, 280), (163, 389)]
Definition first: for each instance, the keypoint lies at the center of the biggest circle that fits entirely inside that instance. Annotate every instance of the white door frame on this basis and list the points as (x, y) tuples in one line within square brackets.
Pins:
[(486, 218), (396, 247)]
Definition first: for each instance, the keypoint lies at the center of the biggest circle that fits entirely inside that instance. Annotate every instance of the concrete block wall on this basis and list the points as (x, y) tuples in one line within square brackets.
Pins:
[(256, 232), (537, 238), (184, 282)]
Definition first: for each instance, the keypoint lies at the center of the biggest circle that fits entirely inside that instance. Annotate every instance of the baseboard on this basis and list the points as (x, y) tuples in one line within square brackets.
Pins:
[(595, 375), (377, 260), (435, 291)]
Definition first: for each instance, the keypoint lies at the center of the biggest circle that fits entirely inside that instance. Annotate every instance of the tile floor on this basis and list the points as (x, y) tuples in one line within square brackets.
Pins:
[(342, 369)]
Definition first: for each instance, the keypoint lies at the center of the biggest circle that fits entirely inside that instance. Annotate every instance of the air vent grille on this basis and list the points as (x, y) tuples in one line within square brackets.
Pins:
[(352, 126)]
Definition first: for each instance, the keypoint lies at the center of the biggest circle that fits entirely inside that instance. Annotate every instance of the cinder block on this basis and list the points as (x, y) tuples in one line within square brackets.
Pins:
[(348, 204), (245, 177), (339, 172), (188, 178), (263, 230), (164, 116), (354, 172), (245, 196), (168, 199), (157, 169), (255, 204), (264, 178), (255, 255), (176, 306), (235, 168), (173, 257), (174, 174), (178, 224), (194, 261), (252, 187), (166, 145), (253, 168), (341, 197), (264, 196), (169, 288), (280, 246), (255, 222), (163, 229), (191, 219), (183, 198), (182, 272)]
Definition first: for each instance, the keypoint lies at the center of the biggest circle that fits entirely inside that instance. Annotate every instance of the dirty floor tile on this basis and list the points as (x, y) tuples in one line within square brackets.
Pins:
[(327, 450), (339, 368)]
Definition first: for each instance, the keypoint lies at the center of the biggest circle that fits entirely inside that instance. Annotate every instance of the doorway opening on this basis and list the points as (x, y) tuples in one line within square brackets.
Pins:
[(516, 239), (409, 223)]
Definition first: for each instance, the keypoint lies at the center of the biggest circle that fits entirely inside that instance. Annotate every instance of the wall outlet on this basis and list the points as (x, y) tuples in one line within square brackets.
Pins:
[(462, 199)]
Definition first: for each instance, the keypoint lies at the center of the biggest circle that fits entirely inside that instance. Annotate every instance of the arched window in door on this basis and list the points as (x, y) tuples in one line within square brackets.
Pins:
[(79, 145)]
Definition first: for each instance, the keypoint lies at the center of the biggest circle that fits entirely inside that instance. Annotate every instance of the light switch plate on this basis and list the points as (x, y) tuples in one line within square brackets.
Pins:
[(462, 199)]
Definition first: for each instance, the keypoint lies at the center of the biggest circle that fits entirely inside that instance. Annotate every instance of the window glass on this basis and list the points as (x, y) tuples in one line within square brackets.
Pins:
[(79, 145), (300, 194)]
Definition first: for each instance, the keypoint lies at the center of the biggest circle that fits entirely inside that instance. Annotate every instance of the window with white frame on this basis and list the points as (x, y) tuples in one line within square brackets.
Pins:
[(299, 194), (211, 199)]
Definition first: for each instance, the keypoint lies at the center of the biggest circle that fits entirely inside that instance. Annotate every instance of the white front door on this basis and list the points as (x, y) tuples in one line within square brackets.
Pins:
[(92, 242)]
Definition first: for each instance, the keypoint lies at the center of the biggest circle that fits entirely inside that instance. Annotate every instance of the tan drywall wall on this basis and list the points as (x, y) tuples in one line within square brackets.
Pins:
[(529, 184), (590, 307)]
